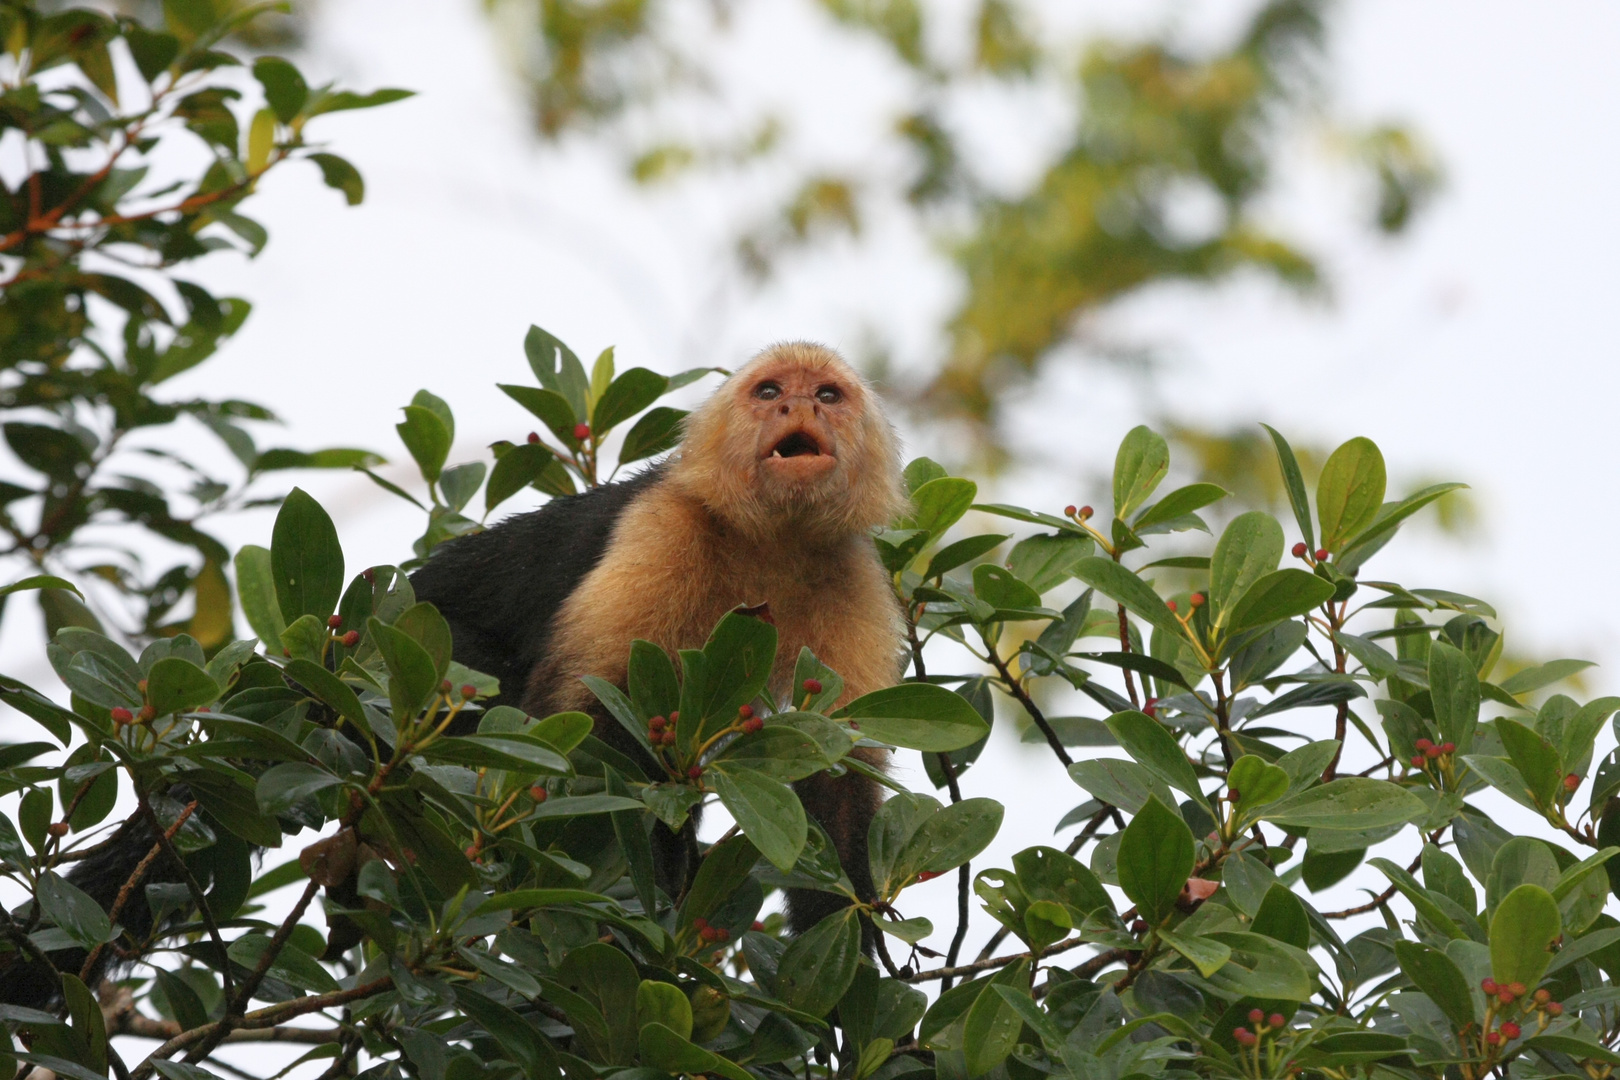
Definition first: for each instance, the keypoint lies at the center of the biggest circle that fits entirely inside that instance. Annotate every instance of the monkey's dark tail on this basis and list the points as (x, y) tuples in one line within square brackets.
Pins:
[(26, 981)]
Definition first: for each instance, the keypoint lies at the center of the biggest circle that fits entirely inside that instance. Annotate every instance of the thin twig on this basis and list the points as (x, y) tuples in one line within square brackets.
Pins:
[(999, 961), (1016, 689), (128, 888), (203, 910)]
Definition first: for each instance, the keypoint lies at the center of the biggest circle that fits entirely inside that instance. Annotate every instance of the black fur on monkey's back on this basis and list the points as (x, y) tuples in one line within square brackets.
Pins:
[(500, 589)]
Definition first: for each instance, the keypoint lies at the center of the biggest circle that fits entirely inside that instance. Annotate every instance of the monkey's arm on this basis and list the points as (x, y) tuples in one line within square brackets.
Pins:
[(500, 589)]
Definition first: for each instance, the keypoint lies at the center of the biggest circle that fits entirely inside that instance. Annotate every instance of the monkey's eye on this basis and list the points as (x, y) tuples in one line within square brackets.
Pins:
[(829, 395), (767, 391)]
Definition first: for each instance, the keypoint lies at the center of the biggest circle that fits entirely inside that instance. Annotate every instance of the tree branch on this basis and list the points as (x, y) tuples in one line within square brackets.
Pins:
[(999, 961)]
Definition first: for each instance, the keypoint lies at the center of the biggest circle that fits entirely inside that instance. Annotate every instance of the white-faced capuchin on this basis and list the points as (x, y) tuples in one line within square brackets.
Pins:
[(769, 499)]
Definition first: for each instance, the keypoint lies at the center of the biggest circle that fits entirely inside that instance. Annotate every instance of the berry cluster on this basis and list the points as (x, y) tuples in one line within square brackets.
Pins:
[(748, 721), (1263, 1025), (1320, 555), (710, 934), (1435, 759), (661, 732), (348, 640), (1505, 999)]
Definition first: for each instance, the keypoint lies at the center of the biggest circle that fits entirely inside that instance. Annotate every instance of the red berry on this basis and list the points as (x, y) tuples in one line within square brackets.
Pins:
[(1488, 985), (1069, 511), (121, 715), (674, 715), (141, 686), (469, 691), (1510, 1030), (699, 923), (334, 621), (1505, 996), (582, 432), (58, 829), (812, 686), (1517, 988), (147, 712), (1571, 782), (1492, 1037), (753, 724), (757, 925), (1418, 761), (723, 934), (1171, 604), (656, 723), (1321, 554), (444, 686), (745, 711), (1433, 751), (1543, 996), (1196, 599), (1256, 1015), (351, 639), (1448, 748), (534, 436), (1276, 1020), (471, 851), (1554, 1009), (1241, 1034), (694, 772), (1150, 705), (538, 793), (1085, 512), (1423, 744), (1300, 549)]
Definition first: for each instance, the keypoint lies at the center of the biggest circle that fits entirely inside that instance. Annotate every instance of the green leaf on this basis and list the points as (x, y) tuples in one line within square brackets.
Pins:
[(515, 470), (558, 369), (1525, 923), (1349, 492), (951, 556), (655, 432), (1454, 689), (256, 591), (1002, 591), (41, 581), (289, 782), (665, 1050), (1282, 916), (737, 664), (427, 437), (820, 963), (1152, 745), (1183, 500), (1534, 678), (1042, 562), (176, 685), (917, 716), (1262, 967), (766, 810), (1294, 484), (340, 175), (1281, 594), (1389, 518), (663, 1003), (1534, 758), (1434, 973), (305, 558), (1578, 1047), (1350, 802), (1124, 784), (990, 1028), (73, 910), (330, 689), (721, 873), (949, 838), (938, 505), (520, 1041), (550, 407), (625, 397), (1118, 583), (1257, 782), (1249, 548), (284, 88), (413, 677), (1142, 461), (1155, 858), (1205, 954)]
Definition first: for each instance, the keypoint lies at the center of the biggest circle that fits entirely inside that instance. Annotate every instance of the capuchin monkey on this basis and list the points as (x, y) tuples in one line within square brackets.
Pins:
[(769, 499)]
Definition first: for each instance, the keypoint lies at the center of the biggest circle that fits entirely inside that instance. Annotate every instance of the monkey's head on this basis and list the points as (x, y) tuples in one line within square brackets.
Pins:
[(796, 439)]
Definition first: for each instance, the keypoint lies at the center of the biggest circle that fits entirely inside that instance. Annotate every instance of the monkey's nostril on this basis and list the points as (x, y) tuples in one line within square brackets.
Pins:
[(785, 410)]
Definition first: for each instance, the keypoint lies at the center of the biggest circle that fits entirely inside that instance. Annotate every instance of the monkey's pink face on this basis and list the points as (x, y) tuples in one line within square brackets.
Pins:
[(803, 413)]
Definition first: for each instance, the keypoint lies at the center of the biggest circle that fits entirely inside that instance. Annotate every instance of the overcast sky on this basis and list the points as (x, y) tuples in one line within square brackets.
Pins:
[(1478, 348)]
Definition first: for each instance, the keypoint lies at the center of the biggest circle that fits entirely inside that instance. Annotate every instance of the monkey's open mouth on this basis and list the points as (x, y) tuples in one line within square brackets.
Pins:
[(798, 444)]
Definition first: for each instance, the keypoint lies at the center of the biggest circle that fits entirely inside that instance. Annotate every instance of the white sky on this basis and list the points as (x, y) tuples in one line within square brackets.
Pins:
[(1477, 348)]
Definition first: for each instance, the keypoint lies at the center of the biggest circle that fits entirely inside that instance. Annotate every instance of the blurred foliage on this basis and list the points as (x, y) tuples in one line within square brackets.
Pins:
[(1170, 159), (96, 313)]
